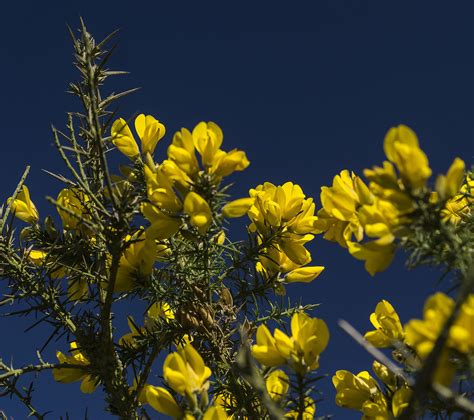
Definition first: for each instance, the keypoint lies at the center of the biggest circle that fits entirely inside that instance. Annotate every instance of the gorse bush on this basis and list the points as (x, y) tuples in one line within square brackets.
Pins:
[(216, 339)]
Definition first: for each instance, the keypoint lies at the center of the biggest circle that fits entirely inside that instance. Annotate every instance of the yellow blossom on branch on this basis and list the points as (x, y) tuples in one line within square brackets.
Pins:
[(421, 334), (301, 350), (402, 149), (149, 130), (215, 413), (72, 208), (73, 374), (199, 211), (23, 207), (447, 186), (265, 350), (308, 413), (360, 392), (185, 371), (388, 328), (237, 208), (122, 138), (137, 260), (162, 401), (277, 384), (159, 311)]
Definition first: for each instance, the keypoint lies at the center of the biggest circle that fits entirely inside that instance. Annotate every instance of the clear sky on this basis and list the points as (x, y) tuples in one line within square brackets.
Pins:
[(306, 91)]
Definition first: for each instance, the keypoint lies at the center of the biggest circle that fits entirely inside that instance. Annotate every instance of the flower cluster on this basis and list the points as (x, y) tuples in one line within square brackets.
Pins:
[(300, 352), (421, 334), (175, 186), (362, 392), (366, 219), (154, 233), (388, 328), (187, 375), (149, 130), (417, 338), (389, 333), (284, 221)]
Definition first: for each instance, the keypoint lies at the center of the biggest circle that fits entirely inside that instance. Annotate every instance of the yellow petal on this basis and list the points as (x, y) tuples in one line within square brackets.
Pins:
[(304, 274), (122, 138), (237, 208), (162, 401)]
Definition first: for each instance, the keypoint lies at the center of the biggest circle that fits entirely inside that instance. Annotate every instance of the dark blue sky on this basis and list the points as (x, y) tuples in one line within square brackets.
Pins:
[(306, 91)]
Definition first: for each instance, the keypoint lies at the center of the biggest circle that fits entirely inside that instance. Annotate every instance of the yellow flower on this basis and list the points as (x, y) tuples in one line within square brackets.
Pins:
[(304, 274), (162, 401), (455, 210), (185, 371), (448, 185), (377, 254), (225, 400), (158, 311), (237, 208), (360, 392), (274, 265), (199, 211), (207, 138), (388, 328), (293, 246), (459, 207), (215, 413), (160, 190), (73, 200), (226, 163), (175, 174), (265, 351), (338, 217), (309, 338), (23, 207), (401, 148), (284, 216), (277, 384), (150, 131), (129, 338), (137, 260), (382, 178), (400, 400), (422, 334), (40, 258), (308, 413), (182, 152), (219, 238), (384, 374), (281, 206), (67, 375), (122, 138), (379, 219), (162, 226)]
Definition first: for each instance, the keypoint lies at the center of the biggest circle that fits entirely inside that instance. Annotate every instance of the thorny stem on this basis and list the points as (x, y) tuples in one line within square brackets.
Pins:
[(147, 369), (15, 372), (93, 112)]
